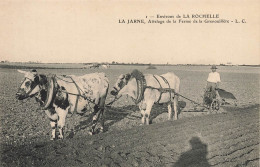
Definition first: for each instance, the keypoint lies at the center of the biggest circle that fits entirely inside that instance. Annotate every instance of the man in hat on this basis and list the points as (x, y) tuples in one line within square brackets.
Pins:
[(213, 79)]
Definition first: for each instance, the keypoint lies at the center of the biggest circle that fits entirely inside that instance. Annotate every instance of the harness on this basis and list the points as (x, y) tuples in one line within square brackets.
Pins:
[(161, 89), (51, 93), (141, 86), (79, 92), (46, 100), (78, 88)]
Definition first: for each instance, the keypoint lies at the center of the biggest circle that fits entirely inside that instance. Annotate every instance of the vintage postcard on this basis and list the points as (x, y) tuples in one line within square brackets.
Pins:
[(129, 83)]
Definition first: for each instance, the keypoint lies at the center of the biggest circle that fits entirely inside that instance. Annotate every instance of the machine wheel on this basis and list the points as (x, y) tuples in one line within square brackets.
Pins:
[(215, 105)]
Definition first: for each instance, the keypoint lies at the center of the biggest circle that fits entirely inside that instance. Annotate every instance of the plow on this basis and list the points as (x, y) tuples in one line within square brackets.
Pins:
[(212, 100)]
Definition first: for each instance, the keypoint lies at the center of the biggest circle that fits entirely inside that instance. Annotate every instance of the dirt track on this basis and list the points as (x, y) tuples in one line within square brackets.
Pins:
[(225, 139)]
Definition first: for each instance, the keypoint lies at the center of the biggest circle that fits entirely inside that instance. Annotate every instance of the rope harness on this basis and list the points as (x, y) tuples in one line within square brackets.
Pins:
[(55, 77), (77, 99), (142, 85), (79, 91), (161, 89)]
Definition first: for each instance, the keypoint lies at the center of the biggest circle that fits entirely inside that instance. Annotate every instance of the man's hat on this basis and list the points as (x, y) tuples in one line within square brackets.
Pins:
[(214, 67)]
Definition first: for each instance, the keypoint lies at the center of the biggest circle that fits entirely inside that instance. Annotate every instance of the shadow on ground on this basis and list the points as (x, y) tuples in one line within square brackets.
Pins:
[(196, 156)]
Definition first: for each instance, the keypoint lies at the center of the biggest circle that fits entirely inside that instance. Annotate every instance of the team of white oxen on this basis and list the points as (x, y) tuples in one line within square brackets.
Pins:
[(60, 94)]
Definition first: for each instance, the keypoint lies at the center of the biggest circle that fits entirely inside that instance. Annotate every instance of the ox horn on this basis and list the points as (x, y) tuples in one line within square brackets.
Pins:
[(21, 71)]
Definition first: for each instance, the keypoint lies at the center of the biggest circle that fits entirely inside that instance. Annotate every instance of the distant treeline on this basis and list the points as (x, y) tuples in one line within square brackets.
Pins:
[(250, 65), (29, 66)]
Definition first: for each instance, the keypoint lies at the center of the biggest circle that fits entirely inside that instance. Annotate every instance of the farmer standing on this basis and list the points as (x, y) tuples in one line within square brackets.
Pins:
[(213, 79)]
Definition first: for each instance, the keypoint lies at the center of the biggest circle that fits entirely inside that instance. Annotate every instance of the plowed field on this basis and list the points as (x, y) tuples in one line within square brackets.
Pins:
[(229, 137)]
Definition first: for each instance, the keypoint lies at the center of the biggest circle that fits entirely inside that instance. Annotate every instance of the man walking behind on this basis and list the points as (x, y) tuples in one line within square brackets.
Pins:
[(213, 79)]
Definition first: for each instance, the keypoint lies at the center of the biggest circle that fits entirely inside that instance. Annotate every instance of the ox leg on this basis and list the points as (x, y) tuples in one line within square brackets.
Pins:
[(169, 111), (143, 116), (102, 121), (142, 107), (53, 116), (95, 118), (175, 107), (102, 109), (61, 122), (147, 113), (53, 129)]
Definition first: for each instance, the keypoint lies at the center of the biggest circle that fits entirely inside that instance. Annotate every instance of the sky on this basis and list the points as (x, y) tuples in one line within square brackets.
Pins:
[(89, 31)]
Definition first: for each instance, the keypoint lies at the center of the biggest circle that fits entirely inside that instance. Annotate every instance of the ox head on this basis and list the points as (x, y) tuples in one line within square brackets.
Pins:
[(120, 83), (29, 86)]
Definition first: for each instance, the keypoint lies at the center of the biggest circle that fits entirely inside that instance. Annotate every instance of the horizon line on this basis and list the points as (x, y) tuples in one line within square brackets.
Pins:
[(123, 63)]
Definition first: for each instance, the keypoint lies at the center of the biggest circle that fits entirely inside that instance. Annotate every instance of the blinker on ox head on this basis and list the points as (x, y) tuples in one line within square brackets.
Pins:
[(120, 83), (29, 86)]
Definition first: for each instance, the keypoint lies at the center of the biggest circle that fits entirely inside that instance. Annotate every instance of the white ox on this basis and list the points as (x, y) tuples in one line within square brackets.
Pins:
[(149, 89), (59, 95)]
